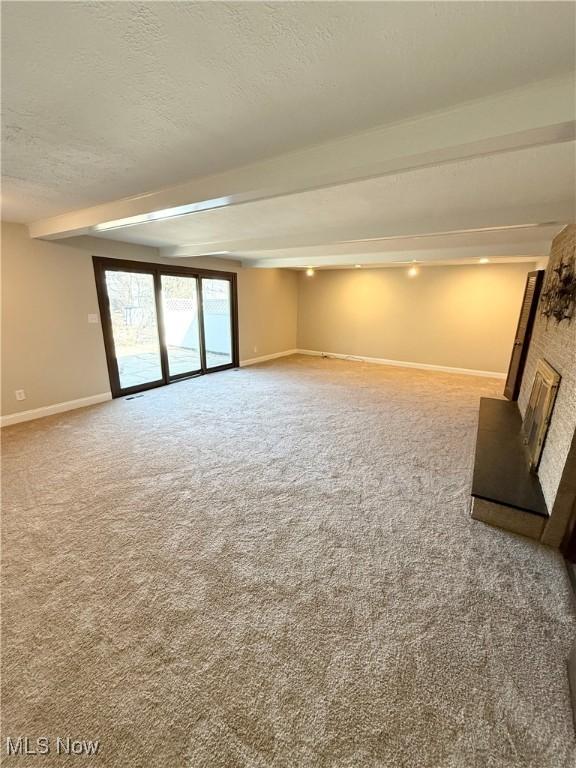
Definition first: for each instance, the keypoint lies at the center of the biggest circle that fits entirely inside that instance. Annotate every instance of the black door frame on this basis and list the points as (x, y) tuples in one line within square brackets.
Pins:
[(103, 263)]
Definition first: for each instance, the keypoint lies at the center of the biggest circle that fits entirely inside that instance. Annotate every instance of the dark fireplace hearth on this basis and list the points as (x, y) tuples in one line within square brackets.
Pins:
[(506, 491)]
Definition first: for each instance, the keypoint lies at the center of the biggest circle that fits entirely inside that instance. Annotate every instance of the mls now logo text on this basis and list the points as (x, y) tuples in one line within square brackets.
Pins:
[(20, 746)]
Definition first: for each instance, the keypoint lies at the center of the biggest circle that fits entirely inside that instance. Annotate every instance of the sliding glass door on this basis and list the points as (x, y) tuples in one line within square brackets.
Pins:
[(180, 313), (132, 307), (217, 319), (162, 324)]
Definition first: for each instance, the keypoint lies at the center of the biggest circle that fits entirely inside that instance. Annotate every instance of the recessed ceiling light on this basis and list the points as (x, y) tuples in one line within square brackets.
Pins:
[(310, 272), (484, 261), (357, 266), (413, 271)]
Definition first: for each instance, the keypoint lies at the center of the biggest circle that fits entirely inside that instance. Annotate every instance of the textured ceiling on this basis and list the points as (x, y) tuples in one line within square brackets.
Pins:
[(522, 187), (104, 100)]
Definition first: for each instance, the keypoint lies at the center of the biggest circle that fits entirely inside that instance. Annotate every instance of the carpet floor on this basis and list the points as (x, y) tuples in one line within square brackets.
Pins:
[(275, 567)]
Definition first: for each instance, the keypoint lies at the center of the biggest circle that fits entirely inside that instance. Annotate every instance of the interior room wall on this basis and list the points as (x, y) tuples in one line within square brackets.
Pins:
[(268, 311), (457, 316), (48, 290), (556, 343)]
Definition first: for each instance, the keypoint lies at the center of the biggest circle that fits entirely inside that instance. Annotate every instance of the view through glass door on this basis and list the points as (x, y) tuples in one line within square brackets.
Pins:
[(217, 314), (161, 324), (132, 302), (181, 324)]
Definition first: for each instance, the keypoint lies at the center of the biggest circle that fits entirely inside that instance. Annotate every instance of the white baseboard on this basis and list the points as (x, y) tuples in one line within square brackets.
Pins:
[(403, 364), (273, 356), (70, 405), (50, 410)]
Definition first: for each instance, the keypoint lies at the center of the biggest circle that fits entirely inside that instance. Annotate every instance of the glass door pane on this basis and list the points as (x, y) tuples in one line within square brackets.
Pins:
[(180, 315), (132, 303), (217, 314)]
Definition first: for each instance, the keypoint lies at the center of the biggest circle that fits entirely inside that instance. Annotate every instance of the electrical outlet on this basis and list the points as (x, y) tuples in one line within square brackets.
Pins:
[(255, 349), (92, 318), (20, 394)]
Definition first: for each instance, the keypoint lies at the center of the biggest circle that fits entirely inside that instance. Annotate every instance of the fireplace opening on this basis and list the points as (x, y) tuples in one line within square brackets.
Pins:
[(539, 411)]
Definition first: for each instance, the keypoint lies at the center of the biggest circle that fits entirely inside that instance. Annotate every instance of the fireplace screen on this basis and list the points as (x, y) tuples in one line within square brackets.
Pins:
[(539, 410)]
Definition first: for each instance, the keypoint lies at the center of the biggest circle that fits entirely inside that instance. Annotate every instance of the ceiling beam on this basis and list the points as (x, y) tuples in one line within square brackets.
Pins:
[(524, 242), (539, 114), (536, 250), (522, 237), (493, 261)]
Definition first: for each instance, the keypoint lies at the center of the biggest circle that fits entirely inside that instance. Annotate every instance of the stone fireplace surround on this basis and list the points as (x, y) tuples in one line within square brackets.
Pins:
[(504, 492), (556, 343)]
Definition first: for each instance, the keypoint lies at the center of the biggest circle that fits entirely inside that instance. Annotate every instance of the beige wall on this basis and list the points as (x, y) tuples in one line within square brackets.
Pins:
[(268, 311), (460, 316), (51, 351)]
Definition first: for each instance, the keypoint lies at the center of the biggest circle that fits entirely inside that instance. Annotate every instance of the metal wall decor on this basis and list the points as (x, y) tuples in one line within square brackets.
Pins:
[(558, 299)]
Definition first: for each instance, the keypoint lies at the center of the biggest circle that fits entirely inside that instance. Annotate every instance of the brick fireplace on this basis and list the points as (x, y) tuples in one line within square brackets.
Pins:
[(525, 471)]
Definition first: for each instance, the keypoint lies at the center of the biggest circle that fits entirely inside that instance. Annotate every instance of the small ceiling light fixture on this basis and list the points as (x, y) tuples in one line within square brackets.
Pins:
[(413, 271), (484, 261), (310, 272), (357, 266)]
